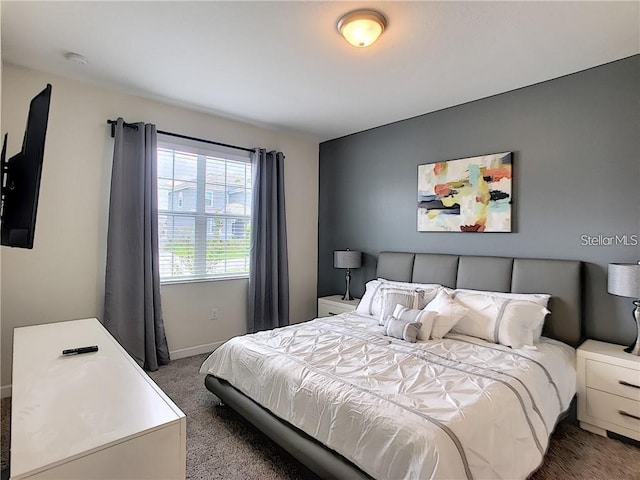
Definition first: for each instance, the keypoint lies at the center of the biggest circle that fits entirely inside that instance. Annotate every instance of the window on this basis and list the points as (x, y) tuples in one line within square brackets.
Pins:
[(208, 199), (204, 212)]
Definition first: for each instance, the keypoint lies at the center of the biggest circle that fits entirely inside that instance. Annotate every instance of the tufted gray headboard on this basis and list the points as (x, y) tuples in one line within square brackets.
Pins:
[(562, 279)]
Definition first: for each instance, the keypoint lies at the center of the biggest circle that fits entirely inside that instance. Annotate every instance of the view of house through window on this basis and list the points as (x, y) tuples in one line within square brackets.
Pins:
[(204, 213)]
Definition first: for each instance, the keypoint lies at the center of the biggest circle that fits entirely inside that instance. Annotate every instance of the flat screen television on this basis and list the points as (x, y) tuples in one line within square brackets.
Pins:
[(21, 177)]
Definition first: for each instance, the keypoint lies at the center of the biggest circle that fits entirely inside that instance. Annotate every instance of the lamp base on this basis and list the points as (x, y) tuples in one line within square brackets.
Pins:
[(634, 348), (347, 278)]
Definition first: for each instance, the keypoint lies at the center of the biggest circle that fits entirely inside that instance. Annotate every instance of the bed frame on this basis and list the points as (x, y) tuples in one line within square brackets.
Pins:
[(562, 279)]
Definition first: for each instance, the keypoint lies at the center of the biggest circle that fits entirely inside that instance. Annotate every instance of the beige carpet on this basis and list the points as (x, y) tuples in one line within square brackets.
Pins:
[(220, 445)]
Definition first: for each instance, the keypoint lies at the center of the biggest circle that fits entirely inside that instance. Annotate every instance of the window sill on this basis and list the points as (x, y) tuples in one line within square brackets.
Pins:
[(200, 280)]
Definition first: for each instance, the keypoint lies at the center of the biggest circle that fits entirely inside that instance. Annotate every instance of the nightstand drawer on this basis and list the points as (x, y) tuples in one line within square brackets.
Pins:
[(613, 409), (334, 305), (613, 379), (326, 309)]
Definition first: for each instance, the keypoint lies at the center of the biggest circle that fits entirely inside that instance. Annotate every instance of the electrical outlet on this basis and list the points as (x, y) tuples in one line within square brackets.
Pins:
[(214, 314)]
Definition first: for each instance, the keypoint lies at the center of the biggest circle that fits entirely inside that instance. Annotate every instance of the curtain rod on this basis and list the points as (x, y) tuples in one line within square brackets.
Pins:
[(178, 135)]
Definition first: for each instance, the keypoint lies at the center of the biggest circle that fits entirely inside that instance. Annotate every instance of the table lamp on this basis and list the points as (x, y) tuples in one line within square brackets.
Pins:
[(624, 281), (347, 259)]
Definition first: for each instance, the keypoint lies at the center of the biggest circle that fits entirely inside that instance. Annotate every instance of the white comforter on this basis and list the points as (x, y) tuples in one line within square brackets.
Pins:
[(455, 408)]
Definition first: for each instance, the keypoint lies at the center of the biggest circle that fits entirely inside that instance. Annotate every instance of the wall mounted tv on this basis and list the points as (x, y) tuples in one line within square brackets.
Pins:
[(21, 177)]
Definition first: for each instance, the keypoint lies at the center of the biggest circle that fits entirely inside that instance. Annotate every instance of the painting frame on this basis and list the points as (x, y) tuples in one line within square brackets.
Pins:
[(467, 195)]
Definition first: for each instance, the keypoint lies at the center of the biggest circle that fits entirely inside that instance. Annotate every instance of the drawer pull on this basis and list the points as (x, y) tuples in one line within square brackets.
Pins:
[(625, 414), (627, 384)]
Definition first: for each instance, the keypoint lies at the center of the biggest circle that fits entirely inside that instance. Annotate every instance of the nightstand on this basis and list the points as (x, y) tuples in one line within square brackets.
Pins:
[(334, 305), (608, 389)]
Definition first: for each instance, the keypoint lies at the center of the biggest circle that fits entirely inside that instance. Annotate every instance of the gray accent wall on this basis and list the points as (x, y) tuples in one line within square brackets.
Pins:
[(576, 146)]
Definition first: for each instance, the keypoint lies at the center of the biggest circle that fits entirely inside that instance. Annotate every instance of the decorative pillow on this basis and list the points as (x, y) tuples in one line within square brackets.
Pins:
[(425, 317), (448, 313), (538, 298), (430, 289), (371, 302), (402, 329), (392, 296), (498, 319)]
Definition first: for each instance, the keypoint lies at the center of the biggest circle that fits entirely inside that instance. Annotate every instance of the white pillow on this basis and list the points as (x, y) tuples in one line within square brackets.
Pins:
[(425, 317), (537, 298), (520, 321), (392, 296), (448, 313), (482, 318), (498, 319), (366, 303)]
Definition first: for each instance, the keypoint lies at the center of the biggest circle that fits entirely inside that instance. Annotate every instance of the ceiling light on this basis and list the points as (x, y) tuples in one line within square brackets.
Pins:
[(362, 27), (76, 58)]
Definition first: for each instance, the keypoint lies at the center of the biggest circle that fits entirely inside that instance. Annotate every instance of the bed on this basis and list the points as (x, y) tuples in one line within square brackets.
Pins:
[(342, 398)]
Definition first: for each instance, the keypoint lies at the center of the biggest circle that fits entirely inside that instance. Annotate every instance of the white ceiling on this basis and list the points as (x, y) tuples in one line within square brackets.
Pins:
[(284, 64)]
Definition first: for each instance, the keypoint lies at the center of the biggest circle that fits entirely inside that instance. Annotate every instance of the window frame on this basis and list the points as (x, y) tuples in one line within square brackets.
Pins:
[(200, 214)]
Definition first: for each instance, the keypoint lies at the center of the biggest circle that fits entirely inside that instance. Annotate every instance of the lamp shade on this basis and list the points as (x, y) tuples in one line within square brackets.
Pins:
[(347, 259), (624, 279)]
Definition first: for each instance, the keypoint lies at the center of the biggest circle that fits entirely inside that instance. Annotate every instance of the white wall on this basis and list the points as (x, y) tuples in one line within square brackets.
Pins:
[(62, 278)]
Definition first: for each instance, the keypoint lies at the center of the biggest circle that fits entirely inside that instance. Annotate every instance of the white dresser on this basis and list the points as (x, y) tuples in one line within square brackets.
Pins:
[(95, 415), (334, 305), (608, 389)]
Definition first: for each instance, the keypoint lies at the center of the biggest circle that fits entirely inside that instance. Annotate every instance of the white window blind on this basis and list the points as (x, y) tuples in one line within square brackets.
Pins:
[(204, 212)]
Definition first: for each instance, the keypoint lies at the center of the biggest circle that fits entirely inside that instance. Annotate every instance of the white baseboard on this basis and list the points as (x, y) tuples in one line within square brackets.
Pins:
[(5, 391), (197, 350)]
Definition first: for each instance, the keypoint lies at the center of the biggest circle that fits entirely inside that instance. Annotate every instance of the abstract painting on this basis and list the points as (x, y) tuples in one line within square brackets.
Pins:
[(467, 195)]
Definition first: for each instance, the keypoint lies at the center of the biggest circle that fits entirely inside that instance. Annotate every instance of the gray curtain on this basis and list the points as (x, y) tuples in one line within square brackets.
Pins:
[(268, 271), (132, 310)]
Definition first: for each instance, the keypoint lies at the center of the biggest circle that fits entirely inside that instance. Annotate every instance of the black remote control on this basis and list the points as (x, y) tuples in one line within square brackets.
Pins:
[(79, 350)]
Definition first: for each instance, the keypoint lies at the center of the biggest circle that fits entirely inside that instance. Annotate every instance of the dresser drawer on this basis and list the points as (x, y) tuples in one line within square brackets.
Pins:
[(609, 408), (613, 379)]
